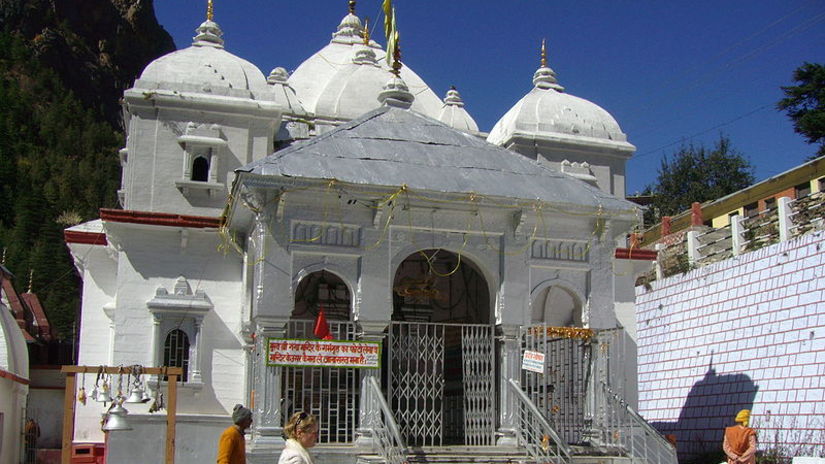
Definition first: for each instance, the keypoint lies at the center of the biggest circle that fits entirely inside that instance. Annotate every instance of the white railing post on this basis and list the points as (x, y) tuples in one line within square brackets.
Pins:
[(693, 247), (737, 235), (785, 221), (659, 273)]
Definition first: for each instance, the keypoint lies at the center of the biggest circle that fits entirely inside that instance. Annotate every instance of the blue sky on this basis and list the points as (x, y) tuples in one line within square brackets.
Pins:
[(670, 72)]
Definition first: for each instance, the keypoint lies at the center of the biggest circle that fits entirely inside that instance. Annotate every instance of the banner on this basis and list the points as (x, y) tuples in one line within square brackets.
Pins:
[(323, 353)]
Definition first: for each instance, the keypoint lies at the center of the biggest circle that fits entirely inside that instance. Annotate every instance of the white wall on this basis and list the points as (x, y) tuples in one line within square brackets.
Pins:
[(746, 333)]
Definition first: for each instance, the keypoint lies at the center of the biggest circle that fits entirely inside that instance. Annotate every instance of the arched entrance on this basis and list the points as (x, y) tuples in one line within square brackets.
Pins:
[(560, 392), (331, 394), (440, 356)]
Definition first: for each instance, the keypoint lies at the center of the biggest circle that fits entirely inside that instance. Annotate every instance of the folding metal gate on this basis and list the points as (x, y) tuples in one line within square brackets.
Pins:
[(441, 383), (560, 393)]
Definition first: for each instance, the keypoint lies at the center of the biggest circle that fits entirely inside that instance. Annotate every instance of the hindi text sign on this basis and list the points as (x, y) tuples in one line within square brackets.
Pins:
[(323, 353), (533, 361)]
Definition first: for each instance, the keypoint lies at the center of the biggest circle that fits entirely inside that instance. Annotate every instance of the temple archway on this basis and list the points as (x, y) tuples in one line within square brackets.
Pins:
[(441, 352), (556, 306), (331, 394), (437, 285)]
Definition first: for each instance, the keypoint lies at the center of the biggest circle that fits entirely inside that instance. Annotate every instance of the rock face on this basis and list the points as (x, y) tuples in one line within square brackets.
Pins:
[(97, 47)]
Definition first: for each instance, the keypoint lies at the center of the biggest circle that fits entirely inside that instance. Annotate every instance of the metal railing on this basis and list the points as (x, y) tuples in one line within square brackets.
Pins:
[(628, 433), (534, 432), (706, 245), (381, 423)]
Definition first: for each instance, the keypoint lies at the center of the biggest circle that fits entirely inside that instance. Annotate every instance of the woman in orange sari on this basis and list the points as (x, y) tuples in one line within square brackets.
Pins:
[(740, 440)]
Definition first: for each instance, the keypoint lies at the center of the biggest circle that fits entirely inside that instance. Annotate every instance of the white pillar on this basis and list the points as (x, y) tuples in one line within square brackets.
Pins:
[(194, 353), (693, 247), (785, 221), (737, 234), (659, 273)]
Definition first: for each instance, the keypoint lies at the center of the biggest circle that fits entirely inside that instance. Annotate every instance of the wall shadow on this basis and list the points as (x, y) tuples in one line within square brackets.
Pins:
[(710, 406)]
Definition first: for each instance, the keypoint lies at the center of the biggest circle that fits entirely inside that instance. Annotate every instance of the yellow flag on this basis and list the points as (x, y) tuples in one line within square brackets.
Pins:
[(392, 37), (388, 18)]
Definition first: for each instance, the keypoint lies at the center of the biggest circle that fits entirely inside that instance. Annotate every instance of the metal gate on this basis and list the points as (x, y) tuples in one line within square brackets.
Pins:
[(331, 394), (441, 383), (560, 393)]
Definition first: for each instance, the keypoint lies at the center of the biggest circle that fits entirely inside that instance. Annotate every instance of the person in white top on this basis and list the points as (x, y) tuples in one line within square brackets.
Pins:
[(301, 431)]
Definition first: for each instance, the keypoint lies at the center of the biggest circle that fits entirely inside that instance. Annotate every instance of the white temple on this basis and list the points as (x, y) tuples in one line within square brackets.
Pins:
[(251, 202)]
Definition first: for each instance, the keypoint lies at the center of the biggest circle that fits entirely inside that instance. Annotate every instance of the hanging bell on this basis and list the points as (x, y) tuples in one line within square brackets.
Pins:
[(94, 393), (135, 396), (103, 395), (81, 395), (146, 396), (116, 419)]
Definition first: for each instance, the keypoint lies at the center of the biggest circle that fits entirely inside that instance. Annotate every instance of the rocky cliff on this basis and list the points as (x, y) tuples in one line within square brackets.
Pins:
[(96, 47)]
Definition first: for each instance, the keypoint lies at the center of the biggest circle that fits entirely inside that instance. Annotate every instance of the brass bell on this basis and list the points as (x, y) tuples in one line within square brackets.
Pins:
[(116, 419)]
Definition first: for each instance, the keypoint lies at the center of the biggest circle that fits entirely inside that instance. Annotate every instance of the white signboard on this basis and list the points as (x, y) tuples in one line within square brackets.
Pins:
[(323, 353), (533, 361)]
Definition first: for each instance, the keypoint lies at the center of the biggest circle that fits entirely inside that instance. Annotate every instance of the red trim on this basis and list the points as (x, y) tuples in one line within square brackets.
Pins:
[(85, 238), (635, 253), (159, 219), (13, 377)]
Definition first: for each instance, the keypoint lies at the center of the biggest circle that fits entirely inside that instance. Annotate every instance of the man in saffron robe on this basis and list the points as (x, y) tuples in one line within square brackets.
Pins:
[(740, 440)]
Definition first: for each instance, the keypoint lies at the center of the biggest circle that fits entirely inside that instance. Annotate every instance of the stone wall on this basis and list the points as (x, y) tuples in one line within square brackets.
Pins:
[(744, 333)]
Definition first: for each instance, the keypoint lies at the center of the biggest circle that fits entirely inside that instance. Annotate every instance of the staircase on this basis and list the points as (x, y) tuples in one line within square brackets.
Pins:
[(458, 455)]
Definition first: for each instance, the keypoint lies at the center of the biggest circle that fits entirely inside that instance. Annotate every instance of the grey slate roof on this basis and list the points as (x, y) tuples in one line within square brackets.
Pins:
[(391, 147)]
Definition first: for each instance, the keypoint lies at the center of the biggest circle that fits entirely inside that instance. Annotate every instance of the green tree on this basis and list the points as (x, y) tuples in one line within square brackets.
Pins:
[(695, 173), (805, 104)]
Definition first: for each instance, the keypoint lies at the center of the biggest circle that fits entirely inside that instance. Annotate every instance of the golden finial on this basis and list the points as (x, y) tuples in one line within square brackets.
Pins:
[(366, 31), (543, 53), (396, 56), (352, 7), (31, 279), (210, 11)]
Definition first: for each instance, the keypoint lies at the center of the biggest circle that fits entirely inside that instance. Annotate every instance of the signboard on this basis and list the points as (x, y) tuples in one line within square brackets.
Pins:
[(323, 353), (533, 361)]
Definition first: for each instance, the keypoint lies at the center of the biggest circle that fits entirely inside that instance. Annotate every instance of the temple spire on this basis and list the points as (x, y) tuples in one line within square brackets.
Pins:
[(351, 7), (366, 28), (544, 77), (543, 53), (210, 11), (31, 279)]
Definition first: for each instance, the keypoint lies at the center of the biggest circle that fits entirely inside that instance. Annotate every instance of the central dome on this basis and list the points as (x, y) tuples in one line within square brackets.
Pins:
[(316, 78)]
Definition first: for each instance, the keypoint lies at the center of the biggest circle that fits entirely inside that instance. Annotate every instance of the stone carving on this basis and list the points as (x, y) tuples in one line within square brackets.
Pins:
[(560, 250), (326, 234)]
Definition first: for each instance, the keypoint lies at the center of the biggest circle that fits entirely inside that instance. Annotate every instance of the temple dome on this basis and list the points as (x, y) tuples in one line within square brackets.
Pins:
[(547, 112), (314, 79), (354, 87), (205, 67), (454, 115)]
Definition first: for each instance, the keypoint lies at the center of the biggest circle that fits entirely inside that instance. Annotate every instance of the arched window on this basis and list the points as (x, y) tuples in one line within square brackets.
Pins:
[(200, 169), (176, 351)]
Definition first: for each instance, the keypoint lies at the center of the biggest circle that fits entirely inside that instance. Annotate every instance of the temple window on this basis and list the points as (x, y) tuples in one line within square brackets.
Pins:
[(178, 320), (200, 168), (203, 147), (176, 351)]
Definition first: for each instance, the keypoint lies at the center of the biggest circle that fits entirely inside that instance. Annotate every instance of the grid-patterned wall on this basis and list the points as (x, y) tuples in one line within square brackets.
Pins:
[(748, 332)]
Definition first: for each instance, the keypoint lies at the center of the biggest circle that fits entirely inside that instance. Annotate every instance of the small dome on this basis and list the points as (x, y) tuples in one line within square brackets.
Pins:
[(284, 94), (317, 74), (454, 115), (546, 111), (205, 67)]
